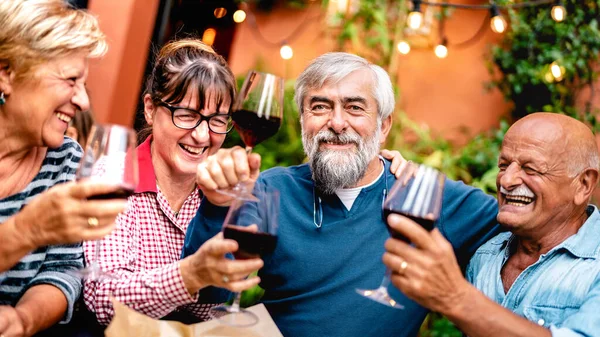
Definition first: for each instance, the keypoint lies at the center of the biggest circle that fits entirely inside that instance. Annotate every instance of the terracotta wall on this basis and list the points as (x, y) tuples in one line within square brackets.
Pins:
[(114, 81), (447, 94)]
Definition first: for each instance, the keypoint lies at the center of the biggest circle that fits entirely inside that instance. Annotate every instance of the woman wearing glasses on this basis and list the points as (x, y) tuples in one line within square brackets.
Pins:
[(186, 106)]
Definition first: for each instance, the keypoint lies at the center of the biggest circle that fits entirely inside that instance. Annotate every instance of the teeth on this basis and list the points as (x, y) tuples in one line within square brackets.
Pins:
[(518, 200), (63, 117), (194, 150)]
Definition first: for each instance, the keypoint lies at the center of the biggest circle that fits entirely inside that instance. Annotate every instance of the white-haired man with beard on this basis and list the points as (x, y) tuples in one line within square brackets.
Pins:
[(542, 278), (331, 226)]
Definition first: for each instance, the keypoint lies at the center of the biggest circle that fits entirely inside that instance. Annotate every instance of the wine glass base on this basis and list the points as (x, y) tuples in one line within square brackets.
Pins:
[(93, 273), (233, 317), (380, 295)]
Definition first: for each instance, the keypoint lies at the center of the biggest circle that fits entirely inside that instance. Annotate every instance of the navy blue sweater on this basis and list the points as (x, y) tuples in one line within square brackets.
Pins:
[(310, 279)]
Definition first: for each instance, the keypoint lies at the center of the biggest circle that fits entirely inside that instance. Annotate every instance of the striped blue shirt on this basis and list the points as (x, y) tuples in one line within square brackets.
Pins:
[(45, 265)]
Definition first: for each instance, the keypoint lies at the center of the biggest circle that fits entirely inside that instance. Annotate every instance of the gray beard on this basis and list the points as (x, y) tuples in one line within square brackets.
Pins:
[(333, 170)]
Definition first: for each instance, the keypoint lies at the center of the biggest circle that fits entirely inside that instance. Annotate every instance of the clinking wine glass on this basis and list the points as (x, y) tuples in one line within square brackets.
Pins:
[(262, 211), (110, 157), (256, 113), (417, 196)]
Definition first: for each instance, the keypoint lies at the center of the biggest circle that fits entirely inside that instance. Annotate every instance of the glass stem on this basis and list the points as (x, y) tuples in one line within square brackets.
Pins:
[(248, 149), (235, 306), (386, 279)]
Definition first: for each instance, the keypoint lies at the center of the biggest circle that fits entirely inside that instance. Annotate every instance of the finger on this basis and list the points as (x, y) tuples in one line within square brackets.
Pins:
[(218, 247), (215, 169), (400, 171), (254, 161), (242, 167), (109, 208), (416, 234), (240, 267), (204, 179), (415, 258), (239, 286)]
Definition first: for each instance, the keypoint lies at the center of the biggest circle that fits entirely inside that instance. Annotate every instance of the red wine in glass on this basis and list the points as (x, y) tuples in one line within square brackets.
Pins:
[(253, 129), (417, 196), (257, 114), (253, 224), (121, 193), (251, 244)]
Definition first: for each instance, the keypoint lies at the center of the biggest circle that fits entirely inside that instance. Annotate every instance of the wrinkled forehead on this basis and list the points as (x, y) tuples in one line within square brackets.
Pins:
[(532, 141)]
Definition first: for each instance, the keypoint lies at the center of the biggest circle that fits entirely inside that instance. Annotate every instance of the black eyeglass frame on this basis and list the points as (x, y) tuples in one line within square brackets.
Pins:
[(172, 109)]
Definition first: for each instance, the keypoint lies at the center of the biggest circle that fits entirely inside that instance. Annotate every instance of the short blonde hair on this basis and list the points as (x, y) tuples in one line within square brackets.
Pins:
[(35, 31)]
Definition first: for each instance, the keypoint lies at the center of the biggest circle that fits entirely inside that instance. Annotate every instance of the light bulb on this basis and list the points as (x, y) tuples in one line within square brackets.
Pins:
[(239, 16), (415, 19), (208, 36), (498, 24), (557, 71), (403, 47), (558, 12), (220, 12), (286, 52), (441, 51)]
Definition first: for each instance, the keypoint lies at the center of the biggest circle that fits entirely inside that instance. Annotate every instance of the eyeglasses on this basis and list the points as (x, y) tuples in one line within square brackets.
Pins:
[(189, 119), (318, 208)]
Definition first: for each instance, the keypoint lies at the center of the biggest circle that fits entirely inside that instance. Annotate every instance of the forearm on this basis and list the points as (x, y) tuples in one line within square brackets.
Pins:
[(478, 316), (40, 307), (155, 292), (15, 244)]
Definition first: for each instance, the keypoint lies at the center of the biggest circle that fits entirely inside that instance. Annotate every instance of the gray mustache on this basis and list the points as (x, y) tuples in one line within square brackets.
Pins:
[(344, 138)]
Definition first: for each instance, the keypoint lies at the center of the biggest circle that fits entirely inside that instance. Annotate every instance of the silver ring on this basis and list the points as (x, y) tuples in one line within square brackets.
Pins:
[(225, 280), (92, 222), (403, 267)]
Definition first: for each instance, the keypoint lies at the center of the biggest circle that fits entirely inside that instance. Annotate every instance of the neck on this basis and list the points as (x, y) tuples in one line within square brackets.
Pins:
[(175, 187), (543, 240), (372, 173)]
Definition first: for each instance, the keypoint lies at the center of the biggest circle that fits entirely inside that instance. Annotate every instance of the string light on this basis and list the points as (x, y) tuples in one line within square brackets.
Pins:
[(557, 71), (441, 51), (403, 47), (286, 52), (415, 17), (220, 12), (498, 23), (558, 11), (209, 36), (239, 16)]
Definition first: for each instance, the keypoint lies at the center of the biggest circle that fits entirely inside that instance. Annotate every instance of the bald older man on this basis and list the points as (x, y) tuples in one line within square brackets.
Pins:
[(542, 278)]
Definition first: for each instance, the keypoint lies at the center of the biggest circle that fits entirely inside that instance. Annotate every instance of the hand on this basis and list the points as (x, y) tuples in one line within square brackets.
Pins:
[(11, 324), (63, 215), (426, 272), (399, 164), (209, 266), (224, 170)]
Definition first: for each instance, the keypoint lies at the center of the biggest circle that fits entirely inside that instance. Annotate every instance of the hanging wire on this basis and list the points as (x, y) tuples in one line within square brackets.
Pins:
[(487, 7), (288, 39)]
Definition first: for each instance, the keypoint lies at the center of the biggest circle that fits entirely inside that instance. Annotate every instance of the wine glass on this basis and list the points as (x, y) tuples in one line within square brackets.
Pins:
[(417, 196), (110, 157), (262, 212), (256, 114)]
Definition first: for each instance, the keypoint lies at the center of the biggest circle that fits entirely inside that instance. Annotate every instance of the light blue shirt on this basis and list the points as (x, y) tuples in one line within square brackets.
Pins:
[(561, 291)]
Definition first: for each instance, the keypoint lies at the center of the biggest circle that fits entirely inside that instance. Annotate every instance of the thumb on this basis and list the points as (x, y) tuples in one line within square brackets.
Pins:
[(254, 164)]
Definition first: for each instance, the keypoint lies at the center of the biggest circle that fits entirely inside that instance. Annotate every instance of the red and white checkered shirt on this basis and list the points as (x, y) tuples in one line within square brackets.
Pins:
[(143, 252)]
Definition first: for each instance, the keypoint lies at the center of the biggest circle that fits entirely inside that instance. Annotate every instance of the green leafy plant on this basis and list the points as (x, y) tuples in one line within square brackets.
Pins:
[(533, 43)]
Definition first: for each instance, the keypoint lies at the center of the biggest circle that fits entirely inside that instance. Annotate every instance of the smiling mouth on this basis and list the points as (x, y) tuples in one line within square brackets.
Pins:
[(63, 117), (193, 150), (517, 200)]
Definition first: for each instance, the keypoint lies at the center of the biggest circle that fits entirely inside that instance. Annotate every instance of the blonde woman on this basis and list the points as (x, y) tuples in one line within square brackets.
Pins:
[(44, 50)]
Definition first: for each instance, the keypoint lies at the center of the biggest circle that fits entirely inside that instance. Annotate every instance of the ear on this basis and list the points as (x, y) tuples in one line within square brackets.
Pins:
[(7, 77), (386, 126), (149, 109), (587, 182)]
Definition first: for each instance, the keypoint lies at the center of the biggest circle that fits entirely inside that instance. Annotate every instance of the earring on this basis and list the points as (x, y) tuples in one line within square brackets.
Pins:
[(2, 99)]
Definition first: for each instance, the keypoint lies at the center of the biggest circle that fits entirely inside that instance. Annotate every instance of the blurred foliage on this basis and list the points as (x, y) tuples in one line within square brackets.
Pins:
[(529, 47)]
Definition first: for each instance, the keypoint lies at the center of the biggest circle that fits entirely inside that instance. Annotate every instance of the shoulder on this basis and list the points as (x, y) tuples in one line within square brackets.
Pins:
[(286, 174), (494, 245)]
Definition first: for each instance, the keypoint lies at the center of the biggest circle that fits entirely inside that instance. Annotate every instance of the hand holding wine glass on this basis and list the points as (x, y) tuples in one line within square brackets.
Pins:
[(417, 196), (110, 158), (257, 114), (253, 225)]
